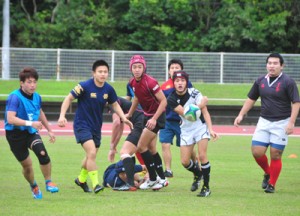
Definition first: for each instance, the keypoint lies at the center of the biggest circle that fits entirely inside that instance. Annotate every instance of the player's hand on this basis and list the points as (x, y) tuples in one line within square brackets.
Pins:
[(52, 137), (214, 135), (151, 123), (37, 125), (62, 121), (111, 155), (289, 129), (238, 120), (129, 123)]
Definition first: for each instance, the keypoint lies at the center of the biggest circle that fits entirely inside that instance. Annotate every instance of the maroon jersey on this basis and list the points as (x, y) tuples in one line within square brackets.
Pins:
[(145, 91), (276, 97)]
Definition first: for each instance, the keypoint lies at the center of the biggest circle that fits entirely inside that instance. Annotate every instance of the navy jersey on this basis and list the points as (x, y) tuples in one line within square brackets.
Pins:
[(26, 108), (145, 91), (192, 96), (276, 97), (111, 174), (91, 102), (167, 88)]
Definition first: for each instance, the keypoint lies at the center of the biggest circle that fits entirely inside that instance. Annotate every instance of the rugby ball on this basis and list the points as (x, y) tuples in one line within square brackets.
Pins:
[(192, 112)]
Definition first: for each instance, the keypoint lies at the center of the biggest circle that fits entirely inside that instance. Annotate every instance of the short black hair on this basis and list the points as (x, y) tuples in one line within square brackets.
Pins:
[(100, 63), (28, 72), (275, 55), (175, 61)]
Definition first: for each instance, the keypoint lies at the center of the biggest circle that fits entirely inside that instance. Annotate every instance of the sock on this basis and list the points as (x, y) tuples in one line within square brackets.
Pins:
[(140, 158), (275, 169), (148, 159), (94, 177), (83, 175), (192, 167), (33, 185), (129, 170), (263, 163), (47, 181), (133, 159), (158, 165), (206, 173)]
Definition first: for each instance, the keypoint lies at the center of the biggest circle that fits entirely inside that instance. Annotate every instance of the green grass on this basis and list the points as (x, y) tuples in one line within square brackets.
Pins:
[(235, 185), (62, 88)]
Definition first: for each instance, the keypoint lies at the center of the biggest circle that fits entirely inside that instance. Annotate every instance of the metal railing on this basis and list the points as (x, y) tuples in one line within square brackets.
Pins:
[(66, 64)]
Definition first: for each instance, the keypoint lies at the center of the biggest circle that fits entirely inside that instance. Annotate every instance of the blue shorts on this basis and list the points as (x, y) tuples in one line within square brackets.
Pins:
[(166, 135), (82, 135)]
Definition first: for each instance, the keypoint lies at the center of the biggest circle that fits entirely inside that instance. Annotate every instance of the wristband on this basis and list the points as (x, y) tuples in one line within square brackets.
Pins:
[(28, 123)]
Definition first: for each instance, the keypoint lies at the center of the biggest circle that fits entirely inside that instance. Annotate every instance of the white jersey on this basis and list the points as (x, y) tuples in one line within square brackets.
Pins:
[(191, 132)]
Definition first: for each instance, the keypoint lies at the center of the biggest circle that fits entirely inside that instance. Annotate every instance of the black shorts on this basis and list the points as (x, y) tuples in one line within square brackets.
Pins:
[(160, 122), (20, 141), (135, 133)]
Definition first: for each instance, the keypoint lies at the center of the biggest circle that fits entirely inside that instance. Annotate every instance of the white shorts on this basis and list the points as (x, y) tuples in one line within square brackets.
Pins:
[(193, 135), (271, 133)]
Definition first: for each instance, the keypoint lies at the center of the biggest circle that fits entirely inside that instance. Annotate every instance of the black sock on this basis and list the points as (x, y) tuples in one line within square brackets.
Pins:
[(159, 166), (133, 159), (206, 173), (129, 170), (149, 162), (192, 167)]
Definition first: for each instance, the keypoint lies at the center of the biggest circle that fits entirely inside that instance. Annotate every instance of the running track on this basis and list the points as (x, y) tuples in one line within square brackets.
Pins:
[(243, 130)]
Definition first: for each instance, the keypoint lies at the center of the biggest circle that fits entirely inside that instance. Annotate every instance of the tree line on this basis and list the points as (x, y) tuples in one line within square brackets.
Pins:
[(157, 25)]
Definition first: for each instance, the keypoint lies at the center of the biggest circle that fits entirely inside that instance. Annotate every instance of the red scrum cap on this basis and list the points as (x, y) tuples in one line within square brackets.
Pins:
[(137, 59)]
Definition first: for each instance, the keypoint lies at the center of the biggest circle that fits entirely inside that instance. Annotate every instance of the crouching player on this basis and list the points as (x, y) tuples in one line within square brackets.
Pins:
[(197, 132), (115, 177)]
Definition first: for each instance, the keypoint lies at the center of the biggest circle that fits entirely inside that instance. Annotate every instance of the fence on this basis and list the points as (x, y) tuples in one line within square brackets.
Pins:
[(64, 64)]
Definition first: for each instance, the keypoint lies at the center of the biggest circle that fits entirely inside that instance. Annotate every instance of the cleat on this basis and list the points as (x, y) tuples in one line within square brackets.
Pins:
[(125, 187), (51, 187), (84, 186), (98, 188), (155, 185), (36, 193), (168, 173), (265, 181), (196, 183), (163, 182), (270, 189), (205, 192)]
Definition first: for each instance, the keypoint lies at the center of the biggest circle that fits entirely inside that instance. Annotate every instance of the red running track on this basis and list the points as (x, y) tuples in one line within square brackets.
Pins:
[(243, 130)]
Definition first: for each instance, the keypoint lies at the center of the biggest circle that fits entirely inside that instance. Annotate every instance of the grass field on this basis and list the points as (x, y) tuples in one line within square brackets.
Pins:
[(235, 184), (61, 89)]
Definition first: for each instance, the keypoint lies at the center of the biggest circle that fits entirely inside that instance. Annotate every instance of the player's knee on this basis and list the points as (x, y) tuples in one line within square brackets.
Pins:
[(185, 163), (123, 156), (40, 151)]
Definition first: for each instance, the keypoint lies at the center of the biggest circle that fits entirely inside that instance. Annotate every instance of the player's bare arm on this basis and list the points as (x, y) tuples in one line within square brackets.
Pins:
[(249, 103), (133, 107), (45, 123), (120, 113), (62, 121), (295, 111), (208, 121), (14, 120), (161, 108)]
